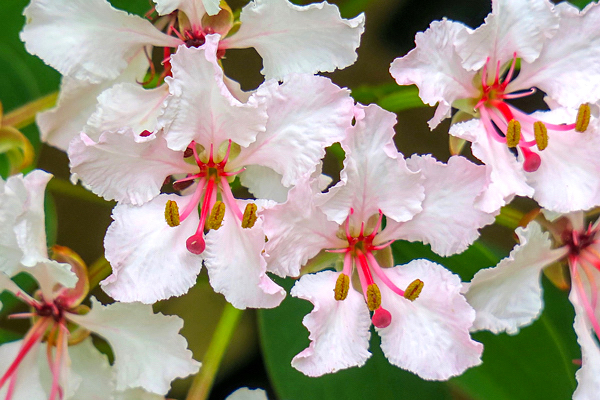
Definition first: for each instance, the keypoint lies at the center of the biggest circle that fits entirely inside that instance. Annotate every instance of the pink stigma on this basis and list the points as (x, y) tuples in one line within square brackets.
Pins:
[(196, 244), (381, 318), (532, 160)]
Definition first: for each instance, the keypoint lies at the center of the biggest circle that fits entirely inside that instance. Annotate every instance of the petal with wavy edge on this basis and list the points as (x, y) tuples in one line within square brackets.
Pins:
[(236, 266), (149, 351), (49, 273), (567, 64), (297, 231), (430, 335), (200, 106), (306, 114), (96, 373), (588, 376), (436, 68), (149, 258), (193, 9), (11, 206), (29, 384), (298, 39), (339, 330), (248, 394), (449, 220), (87, 39), (509, 296), (514, 26), (264, 183), (505, 173), (121, 167), (375, 176)]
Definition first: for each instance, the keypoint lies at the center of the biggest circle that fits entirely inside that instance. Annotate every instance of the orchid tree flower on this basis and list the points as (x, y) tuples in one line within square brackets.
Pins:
[(158, 242), (95, 46), (509, 296), (417, 308), (522, 47)]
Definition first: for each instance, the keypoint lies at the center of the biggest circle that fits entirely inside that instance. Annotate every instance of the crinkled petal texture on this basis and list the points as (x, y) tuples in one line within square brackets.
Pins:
[(339, 330), (375, 176), (306, 114), (193, 9), (149, 258), (297, 231), (87, 39), (11, 206), (588, 376), (28, 383), (125, 167), (430, 335), (248, 394), (200, 106), (505, 172), (449, 221), (567, 64), (96, 374), (236, 266), (509, 296), (298, 39), (436, 68), (149, 351)]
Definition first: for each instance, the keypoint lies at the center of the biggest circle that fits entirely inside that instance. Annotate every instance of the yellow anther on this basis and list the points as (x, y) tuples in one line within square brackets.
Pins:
[(216, 216), (513, 133), (541, 135), (249, 216), (172, 213), (583, 118), (373, 297), (341, 287), (414, 289)]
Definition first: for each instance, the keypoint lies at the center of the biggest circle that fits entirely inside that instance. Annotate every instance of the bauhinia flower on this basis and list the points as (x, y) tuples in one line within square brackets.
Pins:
[(95, 46), (522, 47), (509, 296), (417, 308), (206, 137)]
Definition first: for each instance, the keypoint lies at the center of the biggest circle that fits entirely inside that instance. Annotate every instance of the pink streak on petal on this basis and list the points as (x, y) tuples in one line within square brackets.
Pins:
[(193, 204), (229, 199)]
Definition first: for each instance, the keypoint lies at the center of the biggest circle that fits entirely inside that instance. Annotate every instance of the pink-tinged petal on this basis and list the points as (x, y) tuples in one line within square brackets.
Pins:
[(28, 384), (514, 26), (149, 258), (193, 9), (375, 176), (87, 39), (509, 296), (49, 273), (236, 266), (121, 167), (297, 231), (505, 172), (568, 62), (264, 183), (436, 68), (306, 114), (149, 351), (430, 335), (298, 39), (588, 376), (201, 108), (449, 220), (248, 394), (96, 374), (339, 330), (11, 206)]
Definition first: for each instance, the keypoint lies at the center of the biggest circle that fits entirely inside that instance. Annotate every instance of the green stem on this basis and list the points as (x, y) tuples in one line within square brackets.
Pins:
[(66, 188), (203, 382), (509, 217), (98, 271), (25, 115)]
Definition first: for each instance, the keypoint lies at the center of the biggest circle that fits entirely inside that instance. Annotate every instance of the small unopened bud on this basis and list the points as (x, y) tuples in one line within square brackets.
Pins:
[(172, 213), (583, 118), (249, 218), (216, 216), (513, 133), (341, 287), (414, 289), (373, 297), (541, 135)]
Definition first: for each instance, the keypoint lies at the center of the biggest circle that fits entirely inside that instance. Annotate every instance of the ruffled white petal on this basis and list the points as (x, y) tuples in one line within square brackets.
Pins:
[(339, 330), (149, 351), (193, 9), (509, 296), (87, 39), (375, 176), (298, 39), (137, 394), (200, 106), (96, 373), (49, 273), (149, 258), (248, 394), (264, 183), (11, 206), (28, 385), (430, 335)]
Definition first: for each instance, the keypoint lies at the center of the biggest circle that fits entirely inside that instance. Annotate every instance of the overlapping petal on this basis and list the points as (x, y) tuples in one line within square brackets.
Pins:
[(264, 183), (588, 376), (30, 388), (193, 9), (96, 375)]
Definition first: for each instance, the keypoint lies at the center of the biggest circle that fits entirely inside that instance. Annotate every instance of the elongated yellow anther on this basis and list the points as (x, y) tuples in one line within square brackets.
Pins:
[(541, 135), (414, 289), (513, 133), (172, 213), (583, 118), (342, 285), (217, 213), (249, 215), (373, 297)]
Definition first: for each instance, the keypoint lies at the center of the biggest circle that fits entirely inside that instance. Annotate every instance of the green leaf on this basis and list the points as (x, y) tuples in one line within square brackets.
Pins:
[(389, 96), (8, 336), (581, 3)]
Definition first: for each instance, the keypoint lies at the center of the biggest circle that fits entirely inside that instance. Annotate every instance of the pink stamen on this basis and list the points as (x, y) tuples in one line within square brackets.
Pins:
[(527, 118), (56, 366), (511, 71), (347, 270), (584, 263), (511, 96), (195, 243), (381, 275), (11, 386), (582, 296), (490, 129), (193, 204), (229, 199)]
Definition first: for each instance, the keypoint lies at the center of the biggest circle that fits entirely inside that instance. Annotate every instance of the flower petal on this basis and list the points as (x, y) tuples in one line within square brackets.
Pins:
[(193, 9), (95, 371), (339, 330), (298, 39), (137, 394), (264, 183), (28, 385), (247, 394)]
